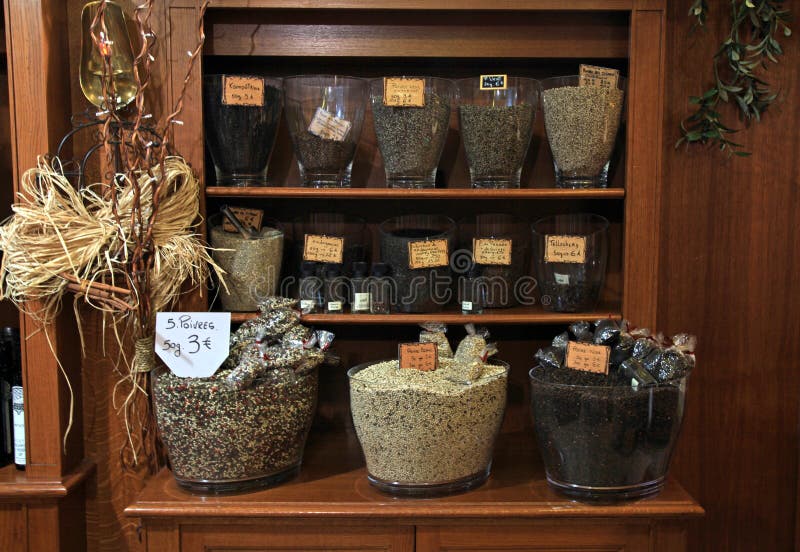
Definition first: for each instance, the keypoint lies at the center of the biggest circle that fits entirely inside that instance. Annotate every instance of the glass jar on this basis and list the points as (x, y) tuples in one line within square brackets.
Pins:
[(426, 438), (496, 128), (220, 439), (570, 256), (240, 134), (252, 266), (411, 138), (606, 442), (325, 114), (353, 230), (581, 124), (425, 289)]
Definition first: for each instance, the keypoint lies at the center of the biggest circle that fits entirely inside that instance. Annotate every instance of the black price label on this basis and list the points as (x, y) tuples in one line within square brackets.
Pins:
[(493, 82)]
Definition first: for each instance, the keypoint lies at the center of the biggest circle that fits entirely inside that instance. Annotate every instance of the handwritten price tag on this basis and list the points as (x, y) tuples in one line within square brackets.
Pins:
[(489, 251), (587, 357), (591, 75), (243, 91), (323, 249), (419, 356), (493, 82), (428, 254), (328, 126), (565, 249), (250, 218), (403, 92), (193, 344)]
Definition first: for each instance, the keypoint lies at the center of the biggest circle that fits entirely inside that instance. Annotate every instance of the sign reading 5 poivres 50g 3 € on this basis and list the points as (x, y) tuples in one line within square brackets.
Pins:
[(193, 344)]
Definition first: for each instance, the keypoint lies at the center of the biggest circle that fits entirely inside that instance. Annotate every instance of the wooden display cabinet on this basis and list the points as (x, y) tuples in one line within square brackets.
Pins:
[(331, 504)]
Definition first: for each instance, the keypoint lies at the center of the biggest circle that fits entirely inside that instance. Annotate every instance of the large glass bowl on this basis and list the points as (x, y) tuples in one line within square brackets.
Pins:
[(221, 440), (420, 441), (606, 443)]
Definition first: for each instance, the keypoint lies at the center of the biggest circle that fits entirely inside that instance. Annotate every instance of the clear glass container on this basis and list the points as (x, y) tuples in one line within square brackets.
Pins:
[(352, 229), (581, 124), (606, 443), (473, 291), (381, 289), (572, 286), (411, 139), (311, 291), (252, 266), (359, 289), (220, 440), (417, 289), (325, 114), (496, 128), (426, 440), (240, 138), (507, 278)]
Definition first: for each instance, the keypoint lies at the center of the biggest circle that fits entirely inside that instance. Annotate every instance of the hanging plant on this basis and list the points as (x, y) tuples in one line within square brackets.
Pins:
[(757, 26)]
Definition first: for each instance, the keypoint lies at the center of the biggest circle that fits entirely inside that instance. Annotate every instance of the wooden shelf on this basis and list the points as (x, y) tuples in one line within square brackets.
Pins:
[(396, 193), (514, 315), (15, 484), (332, 483)]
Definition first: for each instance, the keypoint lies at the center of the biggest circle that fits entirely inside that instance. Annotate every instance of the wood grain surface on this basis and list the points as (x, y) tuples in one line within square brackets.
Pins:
[(729, 265)]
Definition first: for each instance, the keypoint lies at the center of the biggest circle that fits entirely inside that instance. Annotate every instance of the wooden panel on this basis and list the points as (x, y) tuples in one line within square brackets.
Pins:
[(306, 537), (13, 537), (730, 258), (418, 34), (536, 537), (38, 71), (645, 93)]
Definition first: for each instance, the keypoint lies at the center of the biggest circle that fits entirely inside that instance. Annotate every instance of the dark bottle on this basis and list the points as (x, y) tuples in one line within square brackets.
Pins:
[(6, 432), (12, 359), (335, 289), (310, 293), (473, 291), (360, 296), (380, 289)]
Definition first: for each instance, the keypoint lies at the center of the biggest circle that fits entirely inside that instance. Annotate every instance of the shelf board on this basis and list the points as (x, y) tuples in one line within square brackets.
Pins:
[(333, 484), (514, 315), (15, 484), (398, 193)]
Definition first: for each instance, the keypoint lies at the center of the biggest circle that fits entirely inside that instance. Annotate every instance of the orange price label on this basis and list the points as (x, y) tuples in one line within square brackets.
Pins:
[(588, 357), (243, 91), (565, 249), (250, 218), (419, 356), (428, 254), (323, 249), (602, 77), (403, 92), (490, 251)]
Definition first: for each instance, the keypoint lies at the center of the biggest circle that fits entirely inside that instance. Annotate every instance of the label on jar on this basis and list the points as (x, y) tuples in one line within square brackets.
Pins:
[(403, 92), (18, 420), (328, 126), (250, 218), (428, 254), (7, 444), (334, 306), (490, 251), (466, 305), (307, 305), (587, 357), (193, 344), (601, 77), (565, 249), (361, 301), (419, 356), (561, 279), (493, 82), (323, 249), (242, 91)]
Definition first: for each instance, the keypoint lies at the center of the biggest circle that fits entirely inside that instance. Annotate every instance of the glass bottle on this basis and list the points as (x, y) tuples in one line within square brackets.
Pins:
[(333, 284), (11, 346), (6, 431), (117, 45), (380, 289), (310, 291), (473, 291), (360, 296)]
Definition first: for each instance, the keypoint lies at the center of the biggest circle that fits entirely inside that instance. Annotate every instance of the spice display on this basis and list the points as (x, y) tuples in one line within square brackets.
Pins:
[(610, 435), (411, 139), (570, 257), (417, 289), (381, 289), (252, 266), (246, 425), (321, 155), (429, 432), (581, 124), (240, 137)]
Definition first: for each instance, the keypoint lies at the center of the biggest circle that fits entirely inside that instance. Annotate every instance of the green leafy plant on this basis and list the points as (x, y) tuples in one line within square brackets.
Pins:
[(750, 46)]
